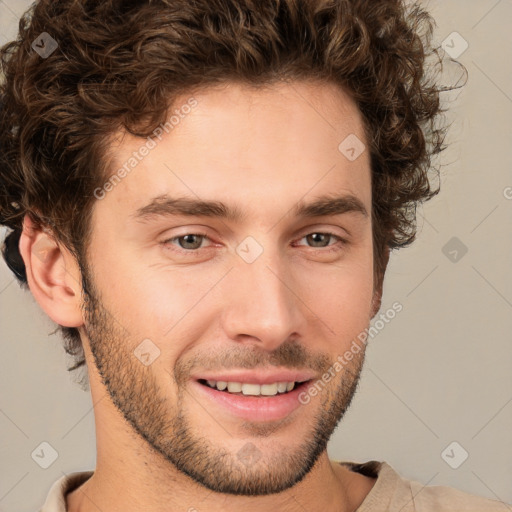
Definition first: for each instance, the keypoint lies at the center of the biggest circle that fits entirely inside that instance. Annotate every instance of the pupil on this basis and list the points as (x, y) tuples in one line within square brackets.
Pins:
[(187, 241), (315, 235)]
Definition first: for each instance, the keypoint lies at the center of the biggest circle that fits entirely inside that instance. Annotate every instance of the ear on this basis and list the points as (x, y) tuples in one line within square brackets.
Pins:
[(53, 275), (379, 284)]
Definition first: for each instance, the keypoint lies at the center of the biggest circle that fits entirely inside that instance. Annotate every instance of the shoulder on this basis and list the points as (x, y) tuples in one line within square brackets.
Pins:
[(392, 491), (56, 498), (441, 498)]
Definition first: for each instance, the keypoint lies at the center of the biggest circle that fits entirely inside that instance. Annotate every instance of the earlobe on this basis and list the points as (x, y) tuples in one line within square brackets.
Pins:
[(52, 275)]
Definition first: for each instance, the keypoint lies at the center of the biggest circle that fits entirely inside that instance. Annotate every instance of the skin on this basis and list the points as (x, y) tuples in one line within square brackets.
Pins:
[(296, 306)]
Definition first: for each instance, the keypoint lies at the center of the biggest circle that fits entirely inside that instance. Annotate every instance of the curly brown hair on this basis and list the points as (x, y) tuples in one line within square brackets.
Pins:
[(120, 64)]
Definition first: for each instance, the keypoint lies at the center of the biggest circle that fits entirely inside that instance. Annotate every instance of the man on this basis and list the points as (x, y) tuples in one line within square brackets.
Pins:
[(288, 140)]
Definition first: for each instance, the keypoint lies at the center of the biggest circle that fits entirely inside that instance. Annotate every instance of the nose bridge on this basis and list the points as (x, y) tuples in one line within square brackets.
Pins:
[(261, 304)]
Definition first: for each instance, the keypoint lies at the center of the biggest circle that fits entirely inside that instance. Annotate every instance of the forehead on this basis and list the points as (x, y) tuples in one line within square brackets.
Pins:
[(275, 144)]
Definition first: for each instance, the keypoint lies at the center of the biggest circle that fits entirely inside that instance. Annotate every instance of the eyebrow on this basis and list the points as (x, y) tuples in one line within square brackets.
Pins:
[(164, 205)]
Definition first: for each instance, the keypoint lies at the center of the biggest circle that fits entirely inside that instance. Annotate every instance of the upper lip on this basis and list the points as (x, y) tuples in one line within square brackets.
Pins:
[(256, 377)]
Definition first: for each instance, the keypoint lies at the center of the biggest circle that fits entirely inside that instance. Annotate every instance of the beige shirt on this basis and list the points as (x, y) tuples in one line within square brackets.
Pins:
[(390, 493)]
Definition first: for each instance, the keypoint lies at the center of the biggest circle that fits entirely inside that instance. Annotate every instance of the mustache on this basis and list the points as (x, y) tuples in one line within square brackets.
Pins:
[(289, 355)]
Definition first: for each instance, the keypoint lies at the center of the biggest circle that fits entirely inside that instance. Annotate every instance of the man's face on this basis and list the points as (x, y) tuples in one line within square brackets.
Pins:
[(178, 300)]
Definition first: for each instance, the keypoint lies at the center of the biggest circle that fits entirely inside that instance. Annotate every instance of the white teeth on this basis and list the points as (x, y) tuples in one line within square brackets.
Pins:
[(281, 387), (252, 389), (269, 389), (234, 387)]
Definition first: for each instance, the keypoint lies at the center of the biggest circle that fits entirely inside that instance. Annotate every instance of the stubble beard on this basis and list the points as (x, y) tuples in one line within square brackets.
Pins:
[(134, 390)]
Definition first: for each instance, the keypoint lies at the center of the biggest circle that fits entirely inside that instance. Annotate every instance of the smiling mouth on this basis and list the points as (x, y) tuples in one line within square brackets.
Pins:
[(249, 389)]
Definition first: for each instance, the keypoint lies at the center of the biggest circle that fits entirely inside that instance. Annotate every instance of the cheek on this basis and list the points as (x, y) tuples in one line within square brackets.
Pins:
[(341, 296), (160, 302), (155, 301)]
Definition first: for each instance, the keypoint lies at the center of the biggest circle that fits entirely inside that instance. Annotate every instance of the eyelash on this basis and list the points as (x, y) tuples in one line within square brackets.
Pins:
[(333, 248)]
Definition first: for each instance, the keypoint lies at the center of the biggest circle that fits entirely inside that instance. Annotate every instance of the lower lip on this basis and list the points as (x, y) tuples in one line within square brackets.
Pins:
[(255, 408)]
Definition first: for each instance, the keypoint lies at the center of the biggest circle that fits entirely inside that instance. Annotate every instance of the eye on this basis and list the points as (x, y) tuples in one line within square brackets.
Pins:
[(191, 241), (320, 237)]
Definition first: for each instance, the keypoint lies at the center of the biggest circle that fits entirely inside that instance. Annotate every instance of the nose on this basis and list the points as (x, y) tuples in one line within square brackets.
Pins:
[(263, 306)]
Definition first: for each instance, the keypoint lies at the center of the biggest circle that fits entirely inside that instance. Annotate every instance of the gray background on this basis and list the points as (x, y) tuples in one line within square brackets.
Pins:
[(439, 372)]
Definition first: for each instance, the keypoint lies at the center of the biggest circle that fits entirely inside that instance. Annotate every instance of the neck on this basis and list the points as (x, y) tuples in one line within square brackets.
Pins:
[(116, 486)]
